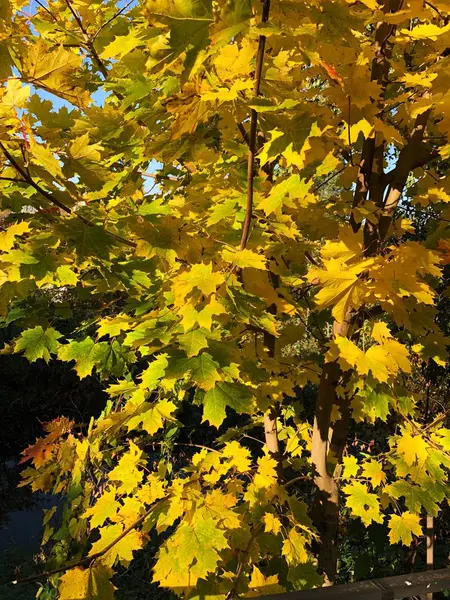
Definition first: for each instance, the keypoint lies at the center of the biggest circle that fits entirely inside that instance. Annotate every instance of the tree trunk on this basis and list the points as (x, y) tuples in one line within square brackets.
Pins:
[(326, 502), (429, 537), (372, 182)]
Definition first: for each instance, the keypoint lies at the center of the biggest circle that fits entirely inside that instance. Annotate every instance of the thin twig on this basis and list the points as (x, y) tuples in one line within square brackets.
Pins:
[(243, 133), (186, 444), (300, 478), (349, 123), (436, 9), (232, 593), (314, 190), (117, 14), (47, 10)]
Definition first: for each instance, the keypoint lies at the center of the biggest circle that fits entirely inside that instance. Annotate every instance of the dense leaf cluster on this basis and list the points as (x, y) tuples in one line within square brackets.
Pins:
[(179, 186)]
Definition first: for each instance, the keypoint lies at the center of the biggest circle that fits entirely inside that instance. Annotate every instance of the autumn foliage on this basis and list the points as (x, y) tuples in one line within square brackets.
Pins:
[(274, 246)]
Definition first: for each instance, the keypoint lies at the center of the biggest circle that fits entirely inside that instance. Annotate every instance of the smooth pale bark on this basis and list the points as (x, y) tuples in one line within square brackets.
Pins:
[(429, 536)]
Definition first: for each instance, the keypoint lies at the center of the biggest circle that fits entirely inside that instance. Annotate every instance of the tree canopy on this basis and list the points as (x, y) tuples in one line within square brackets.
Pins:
[(254, 194)]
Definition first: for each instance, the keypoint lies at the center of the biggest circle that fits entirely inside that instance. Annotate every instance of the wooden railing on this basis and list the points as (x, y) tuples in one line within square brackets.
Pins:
[(415, 585)]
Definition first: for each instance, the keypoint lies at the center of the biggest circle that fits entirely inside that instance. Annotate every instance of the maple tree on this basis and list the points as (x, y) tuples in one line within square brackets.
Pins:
[(234, 280)]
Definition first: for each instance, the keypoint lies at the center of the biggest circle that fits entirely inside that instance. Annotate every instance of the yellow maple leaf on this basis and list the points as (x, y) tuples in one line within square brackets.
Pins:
[(152, 416), (272, 523), (232, 61), (200, 276), (104, 508), (130, 509), (7, 238), (87, 584), (190, 553), (373, 471), (238, 457), (126, 471), (424, 31), (413, 448), (266, 474), (294, 549), (350, 245), (114, 326), (342, 288), (122, 550), (403, 526), (218, 505), (362, 126), (260, 585), (152, 490), (244, 258), (351, 467), (362, 503), (16, 94), (380, 332)]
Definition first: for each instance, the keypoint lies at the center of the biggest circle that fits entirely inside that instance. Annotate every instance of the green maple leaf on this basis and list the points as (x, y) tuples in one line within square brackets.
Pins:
[(154, 372), (304, 576), (375, 402), (89, 241), (110, 359), (188, 21), (84, 354), (233, 395), (415, 496), (204, 371), (193, 342), (38, 343)]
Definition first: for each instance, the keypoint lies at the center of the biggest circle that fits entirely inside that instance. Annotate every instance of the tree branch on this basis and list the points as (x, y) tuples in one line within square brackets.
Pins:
[(253, 131), (101, 67), (48, 196), (88, 560), (10, 179), (413, 155)]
